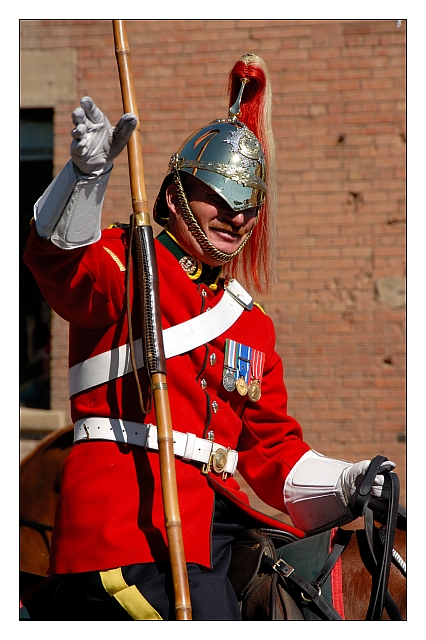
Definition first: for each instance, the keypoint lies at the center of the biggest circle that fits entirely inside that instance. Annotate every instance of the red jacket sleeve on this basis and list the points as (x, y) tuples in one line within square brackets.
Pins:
[(73, 281)]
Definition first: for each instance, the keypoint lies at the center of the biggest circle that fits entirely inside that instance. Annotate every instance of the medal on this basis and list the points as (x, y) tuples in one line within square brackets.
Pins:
[(257, 362), (229, 380), (241, 386), (254, 391), (230, 369), (243, 368)]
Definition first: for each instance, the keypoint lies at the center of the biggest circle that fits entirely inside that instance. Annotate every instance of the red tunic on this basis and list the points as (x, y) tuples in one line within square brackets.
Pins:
[(110, 509)]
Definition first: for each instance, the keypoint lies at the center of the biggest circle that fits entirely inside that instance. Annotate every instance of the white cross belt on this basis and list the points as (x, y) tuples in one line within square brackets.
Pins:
[(178, 339)]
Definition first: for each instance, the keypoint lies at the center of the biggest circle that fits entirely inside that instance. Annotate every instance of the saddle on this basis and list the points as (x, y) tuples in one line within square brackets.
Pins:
[(261, 595), (268, 587)]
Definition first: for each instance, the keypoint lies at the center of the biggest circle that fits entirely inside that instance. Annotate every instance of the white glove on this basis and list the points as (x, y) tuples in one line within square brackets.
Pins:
[(69, 211), (353, 476), (95, 142), (319, 492)]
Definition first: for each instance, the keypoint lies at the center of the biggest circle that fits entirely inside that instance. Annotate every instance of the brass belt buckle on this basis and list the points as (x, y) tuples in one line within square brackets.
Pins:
[(218, 460)]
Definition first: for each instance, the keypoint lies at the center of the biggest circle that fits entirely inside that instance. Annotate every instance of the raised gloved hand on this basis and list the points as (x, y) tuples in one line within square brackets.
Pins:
[(353, 476), (95, 142)]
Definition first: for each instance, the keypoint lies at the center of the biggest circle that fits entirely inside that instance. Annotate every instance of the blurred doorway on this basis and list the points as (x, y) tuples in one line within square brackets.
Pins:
[(35, 174)]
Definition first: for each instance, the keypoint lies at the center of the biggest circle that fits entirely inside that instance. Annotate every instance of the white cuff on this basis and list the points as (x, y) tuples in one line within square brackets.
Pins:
[(69, 211), (313, 493), (49, 207)]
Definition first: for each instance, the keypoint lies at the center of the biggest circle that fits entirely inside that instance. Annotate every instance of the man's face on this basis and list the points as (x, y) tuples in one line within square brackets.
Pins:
[(225, 228)]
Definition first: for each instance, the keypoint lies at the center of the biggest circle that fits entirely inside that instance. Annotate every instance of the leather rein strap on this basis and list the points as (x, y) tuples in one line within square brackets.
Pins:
[(380, 596)]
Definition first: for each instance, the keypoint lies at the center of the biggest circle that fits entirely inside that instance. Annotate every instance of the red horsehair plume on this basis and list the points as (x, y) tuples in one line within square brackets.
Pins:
[(258, 262)]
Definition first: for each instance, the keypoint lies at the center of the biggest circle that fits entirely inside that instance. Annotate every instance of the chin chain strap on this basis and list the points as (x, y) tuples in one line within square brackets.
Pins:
[(196, 230)]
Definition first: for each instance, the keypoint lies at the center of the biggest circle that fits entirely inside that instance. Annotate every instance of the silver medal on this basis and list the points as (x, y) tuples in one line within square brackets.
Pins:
[(229, 380)]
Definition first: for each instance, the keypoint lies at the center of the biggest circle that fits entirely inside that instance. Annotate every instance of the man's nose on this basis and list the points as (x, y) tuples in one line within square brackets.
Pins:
[(236, 217)]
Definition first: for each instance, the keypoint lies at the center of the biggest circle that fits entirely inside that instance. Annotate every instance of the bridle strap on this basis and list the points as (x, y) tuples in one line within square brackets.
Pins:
[(310, 593), (340, 542)]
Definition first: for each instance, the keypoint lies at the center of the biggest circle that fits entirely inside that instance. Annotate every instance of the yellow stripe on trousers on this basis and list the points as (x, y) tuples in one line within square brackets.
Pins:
[(130, 598)]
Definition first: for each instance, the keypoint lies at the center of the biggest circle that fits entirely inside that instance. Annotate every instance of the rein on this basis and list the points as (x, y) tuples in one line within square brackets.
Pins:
[(381, 561)]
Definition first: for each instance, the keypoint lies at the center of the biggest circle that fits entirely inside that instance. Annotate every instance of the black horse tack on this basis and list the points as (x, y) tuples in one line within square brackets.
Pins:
[(290, 582), (270, 588)]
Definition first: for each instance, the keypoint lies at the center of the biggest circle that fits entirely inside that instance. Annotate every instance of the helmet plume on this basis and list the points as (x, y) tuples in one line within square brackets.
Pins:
[(254, 110)]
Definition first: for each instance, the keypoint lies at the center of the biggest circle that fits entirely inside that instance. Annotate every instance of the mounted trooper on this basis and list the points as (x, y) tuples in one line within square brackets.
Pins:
[(227, 394)]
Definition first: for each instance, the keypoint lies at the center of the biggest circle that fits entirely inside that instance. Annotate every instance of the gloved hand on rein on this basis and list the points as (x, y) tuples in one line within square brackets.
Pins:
[(321, 493), (353, 476), (95, 142)]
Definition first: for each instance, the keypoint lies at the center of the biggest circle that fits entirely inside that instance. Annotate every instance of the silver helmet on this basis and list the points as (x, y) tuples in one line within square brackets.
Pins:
[(227, 157), (235, 158)]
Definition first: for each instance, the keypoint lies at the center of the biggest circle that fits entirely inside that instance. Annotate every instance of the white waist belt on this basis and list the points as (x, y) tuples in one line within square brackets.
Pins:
[(178, 339), (185, 445)]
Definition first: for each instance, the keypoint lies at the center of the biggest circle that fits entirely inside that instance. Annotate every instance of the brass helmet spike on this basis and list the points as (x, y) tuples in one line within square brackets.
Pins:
[(234, 111)]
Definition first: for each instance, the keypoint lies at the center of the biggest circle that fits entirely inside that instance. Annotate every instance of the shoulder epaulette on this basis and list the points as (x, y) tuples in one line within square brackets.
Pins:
[(119, 225)]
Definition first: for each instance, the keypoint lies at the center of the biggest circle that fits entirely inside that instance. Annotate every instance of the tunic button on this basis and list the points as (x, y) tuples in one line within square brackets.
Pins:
[(213, 359), (215, 406), (204, 384)]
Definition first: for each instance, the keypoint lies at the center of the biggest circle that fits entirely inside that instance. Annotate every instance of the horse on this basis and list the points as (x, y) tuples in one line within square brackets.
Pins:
[(39, 484), (40, 480)]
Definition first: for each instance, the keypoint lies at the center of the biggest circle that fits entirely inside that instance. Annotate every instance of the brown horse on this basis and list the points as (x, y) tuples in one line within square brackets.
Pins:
[(39, 484), (40, 480), (357, 581)]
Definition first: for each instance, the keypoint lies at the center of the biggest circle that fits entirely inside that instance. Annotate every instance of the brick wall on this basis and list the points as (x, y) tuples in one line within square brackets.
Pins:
[(339, 123)]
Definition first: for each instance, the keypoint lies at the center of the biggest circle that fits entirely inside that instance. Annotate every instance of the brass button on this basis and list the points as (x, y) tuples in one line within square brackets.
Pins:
[(212, 359), (204, 384), (215, 406)]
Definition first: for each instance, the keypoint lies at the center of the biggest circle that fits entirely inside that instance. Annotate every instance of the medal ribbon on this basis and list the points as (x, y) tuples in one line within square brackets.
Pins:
[(257, 364), (244, 355), (230, 355)]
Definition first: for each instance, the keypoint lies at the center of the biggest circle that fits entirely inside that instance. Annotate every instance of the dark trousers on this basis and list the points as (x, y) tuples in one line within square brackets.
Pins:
[(83, 596)]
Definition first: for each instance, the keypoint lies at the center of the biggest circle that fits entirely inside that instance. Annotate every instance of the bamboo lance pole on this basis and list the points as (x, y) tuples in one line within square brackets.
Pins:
[(157, 366)]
